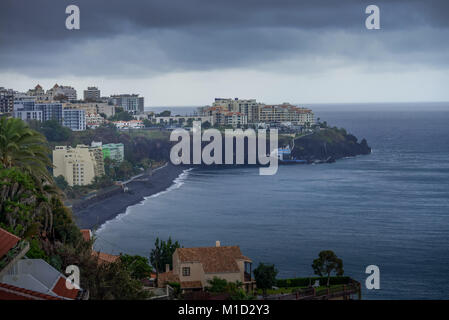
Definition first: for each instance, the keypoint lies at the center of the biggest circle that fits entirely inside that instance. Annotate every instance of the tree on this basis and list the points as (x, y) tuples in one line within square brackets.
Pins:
[(124, 170), (206, 125), (327, 263), (147, 123), (23, 148), (265, 276), (233, 289), (121, 115), (61, 183), (138, 266), (217, 285), (162, 254), (165, 113), (54, 131)]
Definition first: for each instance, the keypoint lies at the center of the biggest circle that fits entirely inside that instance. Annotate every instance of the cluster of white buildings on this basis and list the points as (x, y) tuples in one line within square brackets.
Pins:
[(240, 112), (60, 103)]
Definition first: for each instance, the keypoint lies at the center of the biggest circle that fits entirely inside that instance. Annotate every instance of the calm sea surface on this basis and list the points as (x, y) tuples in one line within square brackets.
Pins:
[(390, 208)]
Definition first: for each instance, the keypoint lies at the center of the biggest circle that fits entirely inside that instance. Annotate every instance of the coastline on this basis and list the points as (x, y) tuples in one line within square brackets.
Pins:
[(96, 214)]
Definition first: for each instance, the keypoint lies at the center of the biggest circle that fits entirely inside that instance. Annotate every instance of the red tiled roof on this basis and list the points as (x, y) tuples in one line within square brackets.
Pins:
[(7, 241), (167, 277), (86, 234), (61, 289), (213, 259), (9, 292), (105, 257)]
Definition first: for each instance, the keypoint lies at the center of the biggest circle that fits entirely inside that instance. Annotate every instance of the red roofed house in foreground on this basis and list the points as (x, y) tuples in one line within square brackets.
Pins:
[(101, 256), (30, 279), (193, 267)]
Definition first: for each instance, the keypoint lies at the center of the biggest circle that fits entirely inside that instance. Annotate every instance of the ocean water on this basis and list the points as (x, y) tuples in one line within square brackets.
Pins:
[(390, 208)]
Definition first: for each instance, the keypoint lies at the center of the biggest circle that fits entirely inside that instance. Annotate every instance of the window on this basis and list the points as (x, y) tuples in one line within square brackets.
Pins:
[(186, 271)]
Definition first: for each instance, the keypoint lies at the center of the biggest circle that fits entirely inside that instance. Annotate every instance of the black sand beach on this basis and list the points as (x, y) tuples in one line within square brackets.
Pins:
[(94, 215)]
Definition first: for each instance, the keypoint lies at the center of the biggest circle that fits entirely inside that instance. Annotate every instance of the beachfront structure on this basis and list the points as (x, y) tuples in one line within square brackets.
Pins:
[(31, 110), (286, 113), (75, 119), (79, 165), (131, 103), (114, 151), (194, 267), (92, 94)]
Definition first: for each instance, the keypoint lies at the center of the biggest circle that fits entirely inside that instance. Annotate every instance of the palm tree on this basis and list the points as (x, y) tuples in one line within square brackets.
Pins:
[(23, 148)]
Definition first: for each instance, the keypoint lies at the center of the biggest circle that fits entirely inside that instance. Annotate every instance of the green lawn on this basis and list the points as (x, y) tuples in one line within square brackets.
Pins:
[(319, 289)]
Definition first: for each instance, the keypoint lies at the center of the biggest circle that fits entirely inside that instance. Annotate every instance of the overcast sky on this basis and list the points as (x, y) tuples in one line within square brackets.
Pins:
[(186, 52)]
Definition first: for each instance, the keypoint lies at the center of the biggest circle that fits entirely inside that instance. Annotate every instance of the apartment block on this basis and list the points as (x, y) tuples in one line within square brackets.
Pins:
[(79, 165), (66, 91), (94, 120), (6, 101), (286, 113), (131, 103), (248, 107), (93, 107), (75, 119), (92, 94), (220, 115), (114, 151), (30, 110)]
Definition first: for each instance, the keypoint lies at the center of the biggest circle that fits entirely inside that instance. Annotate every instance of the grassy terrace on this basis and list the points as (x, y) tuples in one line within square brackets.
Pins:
[(304, 285)]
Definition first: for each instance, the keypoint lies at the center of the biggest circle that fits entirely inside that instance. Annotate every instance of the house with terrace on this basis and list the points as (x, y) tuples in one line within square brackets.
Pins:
[(194, 267)]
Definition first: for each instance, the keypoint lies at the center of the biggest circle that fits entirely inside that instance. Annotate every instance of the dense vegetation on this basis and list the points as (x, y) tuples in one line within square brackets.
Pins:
[(31, 208), (328, 143)]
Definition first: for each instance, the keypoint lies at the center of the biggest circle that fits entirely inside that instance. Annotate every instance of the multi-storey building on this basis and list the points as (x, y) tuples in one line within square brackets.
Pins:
[(114, 151), (75, 119), (94, 120), (38, 91), (129, 102), (248, 107), (93, 107), (92, 94), (79, 165), (286, 113), (220, 115), (66, 91), (30, 110), (6, 101)]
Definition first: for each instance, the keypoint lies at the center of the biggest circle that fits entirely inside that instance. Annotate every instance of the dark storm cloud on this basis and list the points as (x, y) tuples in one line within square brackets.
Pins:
[(143, 37)]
